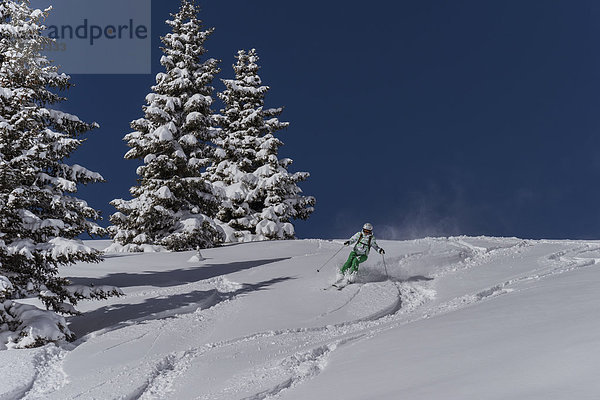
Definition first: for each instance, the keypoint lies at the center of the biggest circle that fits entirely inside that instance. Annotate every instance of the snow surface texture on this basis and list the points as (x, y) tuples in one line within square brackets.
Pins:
[(458, 318)]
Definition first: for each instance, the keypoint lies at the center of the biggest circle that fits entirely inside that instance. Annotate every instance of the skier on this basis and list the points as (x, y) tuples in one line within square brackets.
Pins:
[(364, 241)]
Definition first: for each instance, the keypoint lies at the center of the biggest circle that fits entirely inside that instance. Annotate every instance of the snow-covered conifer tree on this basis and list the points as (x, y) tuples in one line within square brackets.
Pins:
[(262, 196), (40, 219), (173, 205)]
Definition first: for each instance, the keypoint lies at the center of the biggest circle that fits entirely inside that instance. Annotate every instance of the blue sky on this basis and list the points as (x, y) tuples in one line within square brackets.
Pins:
[(422, 117)]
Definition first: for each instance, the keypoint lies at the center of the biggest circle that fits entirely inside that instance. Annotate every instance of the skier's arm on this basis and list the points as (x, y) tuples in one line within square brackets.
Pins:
[(353, 239), (376, 246)]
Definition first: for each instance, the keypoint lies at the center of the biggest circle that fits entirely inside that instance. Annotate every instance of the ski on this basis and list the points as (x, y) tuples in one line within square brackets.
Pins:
[(336, 285), (341, 283), (340, 286)]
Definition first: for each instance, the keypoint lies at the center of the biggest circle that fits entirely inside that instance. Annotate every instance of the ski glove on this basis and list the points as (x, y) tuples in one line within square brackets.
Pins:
[(381, 251), (346, 243)]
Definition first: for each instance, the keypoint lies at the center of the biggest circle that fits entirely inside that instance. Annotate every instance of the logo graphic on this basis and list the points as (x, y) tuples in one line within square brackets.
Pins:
[(98, 36)]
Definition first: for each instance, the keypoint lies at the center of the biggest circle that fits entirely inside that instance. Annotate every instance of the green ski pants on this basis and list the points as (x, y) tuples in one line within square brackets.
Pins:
[(353, 261)]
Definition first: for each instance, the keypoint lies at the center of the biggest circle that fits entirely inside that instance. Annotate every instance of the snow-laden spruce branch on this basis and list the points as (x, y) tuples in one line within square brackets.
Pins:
[(40, 219)]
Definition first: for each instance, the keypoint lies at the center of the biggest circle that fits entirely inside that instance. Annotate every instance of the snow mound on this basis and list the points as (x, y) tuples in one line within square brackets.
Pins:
[(24, 326)]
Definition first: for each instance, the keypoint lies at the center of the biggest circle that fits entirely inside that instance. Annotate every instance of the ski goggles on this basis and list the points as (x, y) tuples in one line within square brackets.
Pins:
[(368, 231)]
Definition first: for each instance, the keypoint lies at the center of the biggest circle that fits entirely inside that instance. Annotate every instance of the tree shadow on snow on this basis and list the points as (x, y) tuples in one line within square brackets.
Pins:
[(173, 277), (120, 315)]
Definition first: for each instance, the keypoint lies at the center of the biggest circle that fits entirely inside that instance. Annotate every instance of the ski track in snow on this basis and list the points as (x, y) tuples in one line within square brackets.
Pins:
[(299, 365), (305, 352), (49, 375), (322, 341), (290, 357), (555, 264)]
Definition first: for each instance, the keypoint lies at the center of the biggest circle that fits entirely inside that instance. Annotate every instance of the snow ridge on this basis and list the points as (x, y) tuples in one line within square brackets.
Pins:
[(300, 367), (161, 380), (49, 375)]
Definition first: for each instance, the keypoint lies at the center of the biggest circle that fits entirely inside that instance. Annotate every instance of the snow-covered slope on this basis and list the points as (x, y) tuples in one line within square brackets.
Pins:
[(458, 318)]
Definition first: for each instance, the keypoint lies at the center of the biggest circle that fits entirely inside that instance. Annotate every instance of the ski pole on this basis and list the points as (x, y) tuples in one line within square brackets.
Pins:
[(385, 266), (331, 258)]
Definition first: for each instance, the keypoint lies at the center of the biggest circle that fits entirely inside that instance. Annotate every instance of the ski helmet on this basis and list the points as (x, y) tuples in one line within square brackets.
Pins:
[(368, 227)]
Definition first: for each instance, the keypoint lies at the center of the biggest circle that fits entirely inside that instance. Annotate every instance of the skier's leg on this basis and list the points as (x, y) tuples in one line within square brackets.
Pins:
[(348, 263), (356, 261)]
